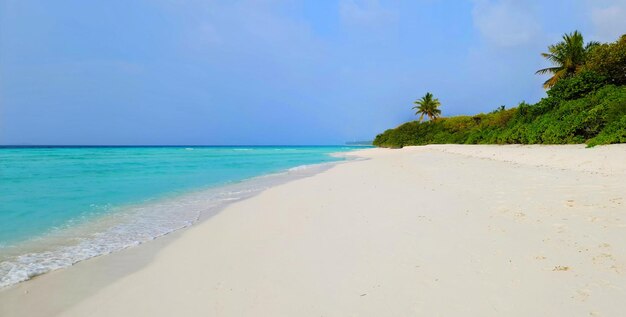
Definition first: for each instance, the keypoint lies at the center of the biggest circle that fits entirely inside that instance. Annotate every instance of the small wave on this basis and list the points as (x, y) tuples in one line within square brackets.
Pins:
[(130, 226), (300, 168)]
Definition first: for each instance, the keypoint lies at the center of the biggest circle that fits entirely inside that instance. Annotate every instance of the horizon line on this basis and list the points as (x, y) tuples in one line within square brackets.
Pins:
[(162, 145)]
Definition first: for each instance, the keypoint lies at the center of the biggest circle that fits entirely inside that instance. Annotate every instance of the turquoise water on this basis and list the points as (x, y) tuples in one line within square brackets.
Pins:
[(46, 192)]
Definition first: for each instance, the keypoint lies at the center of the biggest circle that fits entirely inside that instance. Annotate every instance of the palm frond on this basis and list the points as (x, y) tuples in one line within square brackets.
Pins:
[(591, 45), (550, 70), (567, 56)]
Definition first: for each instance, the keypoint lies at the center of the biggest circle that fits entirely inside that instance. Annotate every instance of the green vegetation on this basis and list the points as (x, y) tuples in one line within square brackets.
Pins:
[(585, 104), (428, 106), (609, 60), (568, 56)]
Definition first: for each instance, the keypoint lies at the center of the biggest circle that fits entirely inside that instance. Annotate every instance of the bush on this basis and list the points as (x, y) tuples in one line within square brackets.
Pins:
[(577, 86), (613, 133), (597, 118), (587, 107), (609, 60)]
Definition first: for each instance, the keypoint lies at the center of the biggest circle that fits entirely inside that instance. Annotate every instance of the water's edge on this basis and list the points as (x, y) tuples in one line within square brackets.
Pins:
[(141, 224)]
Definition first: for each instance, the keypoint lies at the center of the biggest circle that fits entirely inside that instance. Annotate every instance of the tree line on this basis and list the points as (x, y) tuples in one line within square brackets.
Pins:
[(586, 92)]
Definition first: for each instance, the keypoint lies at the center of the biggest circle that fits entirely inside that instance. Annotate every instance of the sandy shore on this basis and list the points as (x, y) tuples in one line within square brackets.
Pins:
[(422, 231)]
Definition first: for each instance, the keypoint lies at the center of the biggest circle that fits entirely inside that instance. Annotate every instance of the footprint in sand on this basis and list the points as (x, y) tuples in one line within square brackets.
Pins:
[(560, 227), (582, 295), (605, 258), (569, 203), (608, 261), (593, 219), (617, 201)]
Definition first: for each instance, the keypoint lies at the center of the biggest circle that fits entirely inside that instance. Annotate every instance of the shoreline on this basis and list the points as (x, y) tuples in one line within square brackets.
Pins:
[(441, 219), (200, 205), (104, 269)]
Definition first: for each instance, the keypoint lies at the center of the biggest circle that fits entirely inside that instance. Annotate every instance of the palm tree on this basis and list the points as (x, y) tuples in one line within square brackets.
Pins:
[(568, 56), (428, 106)]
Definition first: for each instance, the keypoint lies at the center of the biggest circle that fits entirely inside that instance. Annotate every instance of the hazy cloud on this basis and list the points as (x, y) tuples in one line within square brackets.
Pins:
[(364, 13), (269, 71), (505, 23), (609, 21)]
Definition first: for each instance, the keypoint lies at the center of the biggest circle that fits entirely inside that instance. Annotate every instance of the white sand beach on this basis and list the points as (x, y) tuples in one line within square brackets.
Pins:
[(421, 231)]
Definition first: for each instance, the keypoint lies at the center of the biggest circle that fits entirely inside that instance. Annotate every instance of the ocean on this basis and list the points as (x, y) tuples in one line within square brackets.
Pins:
[(61, 205)]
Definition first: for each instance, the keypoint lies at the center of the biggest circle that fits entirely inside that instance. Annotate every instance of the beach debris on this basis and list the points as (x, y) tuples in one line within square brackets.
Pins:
[(561, 268)]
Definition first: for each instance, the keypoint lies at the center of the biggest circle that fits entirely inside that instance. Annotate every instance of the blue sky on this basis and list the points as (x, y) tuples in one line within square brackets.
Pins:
[(272, 71)]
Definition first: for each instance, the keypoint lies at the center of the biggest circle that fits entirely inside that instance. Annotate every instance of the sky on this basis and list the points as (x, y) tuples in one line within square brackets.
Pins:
[(192, 72)]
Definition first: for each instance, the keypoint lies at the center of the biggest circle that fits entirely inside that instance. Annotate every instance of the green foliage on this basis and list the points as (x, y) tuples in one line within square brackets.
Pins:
[(597, 118), (501, 108), (613, 133), (609, 60), (586, 104), (427, 106), (577, 86), (567, 56)]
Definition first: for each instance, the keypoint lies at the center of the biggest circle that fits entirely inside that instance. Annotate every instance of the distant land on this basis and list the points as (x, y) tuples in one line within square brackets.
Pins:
[(360, 143)]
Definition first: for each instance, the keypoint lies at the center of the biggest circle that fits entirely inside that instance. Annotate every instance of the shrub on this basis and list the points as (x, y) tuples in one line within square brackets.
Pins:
[(609, 60), (596, 118), (613, 133), (577, 86)]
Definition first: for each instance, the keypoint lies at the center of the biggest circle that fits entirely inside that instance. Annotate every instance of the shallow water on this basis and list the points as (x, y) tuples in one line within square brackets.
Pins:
[(59, 206)]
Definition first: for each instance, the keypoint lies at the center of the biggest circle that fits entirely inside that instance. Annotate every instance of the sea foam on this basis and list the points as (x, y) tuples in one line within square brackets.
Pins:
[(129, 226)]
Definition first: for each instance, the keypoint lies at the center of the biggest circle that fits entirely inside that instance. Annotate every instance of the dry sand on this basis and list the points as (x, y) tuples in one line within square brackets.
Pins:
[(422, 231)]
